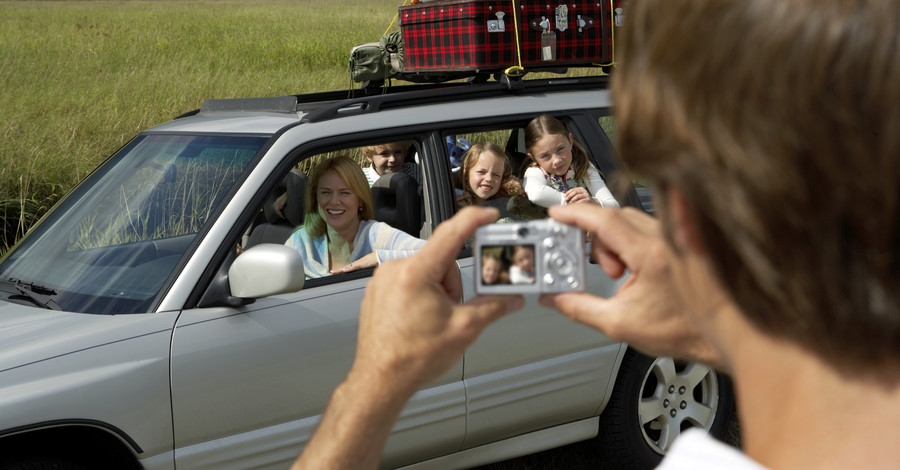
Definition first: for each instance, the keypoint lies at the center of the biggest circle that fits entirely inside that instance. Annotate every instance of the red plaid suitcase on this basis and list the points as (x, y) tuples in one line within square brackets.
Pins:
[(458, 35), (583, 32), (479, 35)]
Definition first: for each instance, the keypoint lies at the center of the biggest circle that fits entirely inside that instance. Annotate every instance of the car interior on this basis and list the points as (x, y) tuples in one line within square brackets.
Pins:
[(398, 199)]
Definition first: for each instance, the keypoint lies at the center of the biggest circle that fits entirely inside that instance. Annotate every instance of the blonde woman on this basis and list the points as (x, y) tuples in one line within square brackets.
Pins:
[(338, 234)]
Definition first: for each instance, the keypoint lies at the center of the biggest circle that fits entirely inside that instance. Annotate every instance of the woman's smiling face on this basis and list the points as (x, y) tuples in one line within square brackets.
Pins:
[(338, 204)]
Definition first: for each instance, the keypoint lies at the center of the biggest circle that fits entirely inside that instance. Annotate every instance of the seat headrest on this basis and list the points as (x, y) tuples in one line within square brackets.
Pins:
[(397, 202), (295, 208), (294, 184)]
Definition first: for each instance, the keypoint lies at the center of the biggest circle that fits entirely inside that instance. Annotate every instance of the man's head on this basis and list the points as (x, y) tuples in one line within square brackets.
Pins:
[(386, 158), (777, 124)]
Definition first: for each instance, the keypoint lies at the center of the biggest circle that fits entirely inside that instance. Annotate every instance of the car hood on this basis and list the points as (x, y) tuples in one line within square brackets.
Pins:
[(29, 334)]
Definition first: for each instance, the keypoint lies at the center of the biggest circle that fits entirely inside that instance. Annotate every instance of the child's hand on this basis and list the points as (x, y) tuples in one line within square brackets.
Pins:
[(279, 204), (578, 195)]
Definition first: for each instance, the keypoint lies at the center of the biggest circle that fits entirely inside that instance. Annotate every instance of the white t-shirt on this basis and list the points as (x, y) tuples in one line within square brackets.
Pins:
[(372, 176), (697, 450), (518, 276), (541, 193)]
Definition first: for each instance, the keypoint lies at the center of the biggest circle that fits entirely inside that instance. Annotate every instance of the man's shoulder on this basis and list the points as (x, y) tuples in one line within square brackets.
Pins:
[(697, 450)]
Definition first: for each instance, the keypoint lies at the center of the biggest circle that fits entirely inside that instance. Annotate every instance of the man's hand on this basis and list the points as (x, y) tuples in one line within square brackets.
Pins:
[(411, 325), (647, 312)]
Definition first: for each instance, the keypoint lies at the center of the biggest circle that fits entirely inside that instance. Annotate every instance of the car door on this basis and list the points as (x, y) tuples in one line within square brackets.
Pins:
[(533, 369), (249, 383)]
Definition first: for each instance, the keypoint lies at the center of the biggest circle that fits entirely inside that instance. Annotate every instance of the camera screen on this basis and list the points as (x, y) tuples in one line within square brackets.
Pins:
[(507, 264)]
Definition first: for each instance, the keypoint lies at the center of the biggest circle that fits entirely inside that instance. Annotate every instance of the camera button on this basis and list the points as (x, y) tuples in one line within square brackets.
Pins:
[(549, 243), (549, 280)]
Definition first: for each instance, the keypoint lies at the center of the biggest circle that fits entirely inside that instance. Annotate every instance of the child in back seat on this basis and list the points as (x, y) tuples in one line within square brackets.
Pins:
[(560, 172), (486, 176)]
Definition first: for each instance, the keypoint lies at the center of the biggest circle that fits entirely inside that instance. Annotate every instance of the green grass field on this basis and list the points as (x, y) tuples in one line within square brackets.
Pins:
[(79, 78)]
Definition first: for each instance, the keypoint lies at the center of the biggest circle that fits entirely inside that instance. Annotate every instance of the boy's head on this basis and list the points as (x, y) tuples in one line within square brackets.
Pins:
[(386, 158), (774, 124)]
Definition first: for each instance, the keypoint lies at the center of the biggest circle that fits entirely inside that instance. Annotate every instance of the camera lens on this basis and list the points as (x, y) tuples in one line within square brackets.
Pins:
[(523, 231)]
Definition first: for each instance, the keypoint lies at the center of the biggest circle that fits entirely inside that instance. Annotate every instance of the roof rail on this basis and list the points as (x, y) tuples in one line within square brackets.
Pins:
[(277, 104), (449, 92), (304, 102), (323, 106)]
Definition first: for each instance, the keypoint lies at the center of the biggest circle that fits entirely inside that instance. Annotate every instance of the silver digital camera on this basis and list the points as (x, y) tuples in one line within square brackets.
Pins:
[(538, 256)]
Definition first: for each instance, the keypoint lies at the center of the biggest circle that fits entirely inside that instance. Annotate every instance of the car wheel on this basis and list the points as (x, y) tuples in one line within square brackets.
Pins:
[(657, 399)]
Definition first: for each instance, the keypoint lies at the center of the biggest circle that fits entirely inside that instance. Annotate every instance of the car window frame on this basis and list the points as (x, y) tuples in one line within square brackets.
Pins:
[(218, 267)]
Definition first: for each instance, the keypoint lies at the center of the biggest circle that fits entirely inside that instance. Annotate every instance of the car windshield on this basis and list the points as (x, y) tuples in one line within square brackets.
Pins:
[(110, 246)]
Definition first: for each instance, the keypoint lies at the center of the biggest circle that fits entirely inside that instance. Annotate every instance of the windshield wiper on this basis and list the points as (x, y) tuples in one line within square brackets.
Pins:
[(37, 294)]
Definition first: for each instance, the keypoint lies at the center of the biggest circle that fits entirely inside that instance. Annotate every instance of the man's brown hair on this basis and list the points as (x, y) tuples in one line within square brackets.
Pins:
[(779, 121)]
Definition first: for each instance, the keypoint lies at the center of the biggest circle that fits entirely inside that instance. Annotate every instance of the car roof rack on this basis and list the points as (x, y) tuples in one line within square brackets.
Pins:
[(277, 104), (447, 93), (305, 102), (323, 106)]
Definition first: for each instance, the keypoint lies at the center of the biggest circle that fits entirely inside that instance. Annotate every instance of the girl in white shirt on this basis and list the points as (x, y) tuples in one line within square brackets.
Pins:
[(560, 172)]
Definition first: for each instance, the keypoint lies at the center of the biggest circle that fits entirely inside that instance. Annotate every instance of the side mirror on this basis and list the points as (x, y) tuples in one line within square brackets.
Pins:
[(266, 269)]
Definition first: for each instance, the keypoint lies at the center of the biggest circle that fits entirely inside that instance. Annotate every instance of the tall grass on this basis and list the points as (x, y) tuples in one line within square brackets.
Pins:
[(79, 78)]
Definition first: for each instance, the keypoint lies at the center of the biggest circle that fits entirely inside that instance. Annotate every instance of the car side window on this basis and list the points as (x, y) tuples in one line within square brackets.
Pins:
[(608, 124), (324, 192), (509, 141)]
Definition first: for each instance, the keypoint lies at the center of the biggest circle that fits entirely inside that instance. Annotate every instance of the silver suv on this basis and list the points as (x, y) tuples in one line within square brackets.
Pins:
[(153, 319)]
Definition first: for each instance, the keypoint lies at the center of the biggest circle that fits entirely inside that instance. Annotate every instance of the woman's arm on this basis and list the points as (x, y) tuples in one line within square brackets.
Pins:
[(382, 243), (389, 243), (539, 192)]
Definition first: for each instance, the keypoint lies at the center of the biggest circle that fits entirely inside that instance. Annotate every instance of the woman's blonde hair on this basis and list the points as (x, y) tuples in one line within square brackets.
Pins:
[(509, 184), (353, 175), (545, 125)]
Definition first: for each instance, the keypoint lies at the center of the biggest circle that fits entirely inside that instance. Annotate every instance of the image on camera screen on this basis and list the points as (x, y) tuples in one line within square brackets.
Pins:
[(507, 264)]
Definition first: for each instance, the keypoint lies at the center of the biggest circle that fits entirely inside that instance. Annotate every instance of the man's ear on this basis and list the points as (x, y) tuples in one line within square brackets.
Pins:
[(683, 224)]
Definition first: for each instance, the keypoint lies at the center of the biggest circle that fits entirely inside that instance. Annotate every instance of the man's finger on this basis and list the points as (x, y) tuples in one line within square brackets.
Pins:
[(643, 222), (449, 237), (622, 233), (484, 310), (581, 307), (452, 283)]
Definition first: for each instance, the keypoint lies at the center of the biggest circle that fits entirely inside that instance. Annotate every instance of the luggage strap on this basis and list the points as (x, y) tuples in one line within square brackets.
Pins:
[(516, 70), (396, 15)]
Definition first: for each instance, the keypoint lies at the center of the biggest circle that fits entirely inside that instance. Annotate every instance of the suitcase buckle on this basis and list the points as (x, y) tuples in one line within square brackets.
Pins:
[(497, 26)]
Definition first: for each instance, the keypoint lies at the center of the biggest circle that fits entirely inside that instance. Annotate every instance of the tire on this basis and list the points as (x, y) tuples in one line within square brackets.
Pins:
[(654, 401)]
